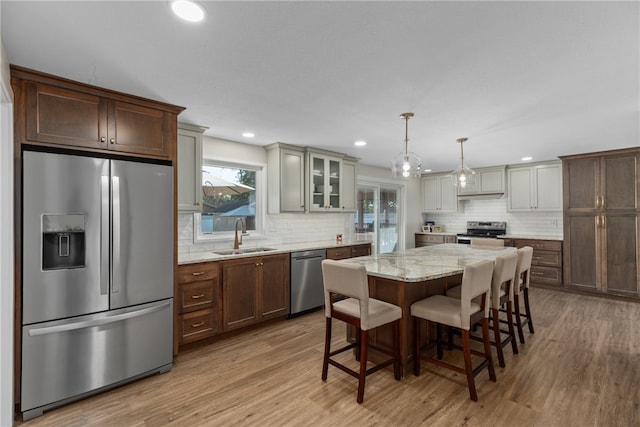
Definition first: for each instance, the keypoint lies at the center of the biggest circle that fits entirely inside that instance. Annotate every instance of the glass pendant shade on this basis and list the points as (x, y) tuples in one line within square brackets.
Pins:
[(463, 176), (406, 164)]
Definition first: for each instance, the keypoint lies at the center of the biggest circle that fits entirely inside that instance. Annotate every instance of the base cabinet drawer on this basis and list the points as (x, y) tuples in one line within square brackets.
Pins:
[(194, 296), (549, 275), (546, 258), (197, 325), (339, 253)]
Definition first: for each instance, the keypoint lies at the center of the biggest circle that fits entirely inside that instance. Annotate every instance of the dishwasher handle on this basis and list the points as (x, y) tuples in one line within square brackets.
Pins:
[(297, 258)]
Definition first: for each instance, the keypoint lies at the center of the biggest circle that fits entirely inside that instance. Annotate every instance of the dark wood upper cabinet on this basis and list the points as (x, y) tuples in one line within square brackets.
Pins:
[(60, 112)]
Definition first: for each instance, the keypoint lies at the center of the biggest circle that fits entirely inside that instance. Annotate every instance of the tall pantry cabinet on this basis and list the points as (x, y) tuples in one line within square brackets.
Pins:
[(601, 207)]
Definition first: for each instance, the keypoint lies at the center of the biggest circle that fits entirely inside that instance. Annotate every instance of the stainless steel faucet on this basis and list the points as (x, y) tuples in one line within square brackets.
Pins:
[(236, 242)]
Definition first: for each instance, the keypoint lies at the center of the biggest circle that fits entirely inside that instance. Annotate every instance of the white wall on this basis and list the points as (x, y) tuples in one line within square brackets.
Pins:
[(6, 243)]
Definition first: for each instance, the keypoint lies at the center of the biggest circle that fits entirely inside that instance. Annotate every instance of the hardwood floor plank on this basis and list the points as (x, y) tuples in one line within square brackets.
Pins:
[(580, 368)]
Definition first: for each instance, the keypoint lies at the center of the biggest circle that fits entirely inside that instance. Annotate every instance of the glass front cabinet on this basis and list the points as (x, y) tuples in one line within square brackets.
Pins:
[(324, 182)]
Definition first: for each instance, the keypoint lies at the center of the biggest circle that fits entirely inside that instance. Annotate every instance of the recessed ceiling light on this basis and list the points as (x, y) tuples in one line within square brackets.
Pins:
[(426, 170), (526, 159), (188, 10), (360, 143), (248, 134)]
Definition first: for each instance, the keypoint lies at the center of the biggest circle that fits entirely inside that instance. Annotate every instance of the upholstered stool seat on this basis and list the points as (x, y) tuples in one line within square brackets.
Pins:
[(363, 313), (459, 313)]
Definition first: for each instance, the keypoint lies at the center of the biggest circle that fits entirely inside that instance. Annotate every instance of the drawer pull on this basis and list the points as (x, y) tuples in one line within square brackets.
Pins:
[(533, 273), (538, 257), (198, 273), (197, 325), (197, 296)]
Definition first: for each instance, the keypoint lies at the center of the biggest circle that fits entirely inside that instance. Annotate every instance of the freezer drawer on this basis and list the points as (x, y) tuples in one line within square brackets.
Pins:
[(65, 359)]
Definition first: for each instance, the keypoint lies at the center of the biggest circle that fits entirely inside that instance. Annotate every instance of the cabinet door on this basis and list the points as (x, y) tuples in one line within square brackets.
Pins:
[(140, 130), (430, 194), (583, 184), (520, 184), (583, 257), (348, 182), (189, 170), (621, 250), (317, 183), (492, 181), (548, 188), (274, 289), (325, 183), (239, 292), (65, 117), (448, 195), (620, 183), (291, 181)]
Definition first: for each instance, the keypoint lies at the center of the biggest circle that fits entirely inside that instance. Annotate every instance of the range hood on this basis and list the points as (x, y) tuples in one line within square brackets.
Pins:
[(481, 196)]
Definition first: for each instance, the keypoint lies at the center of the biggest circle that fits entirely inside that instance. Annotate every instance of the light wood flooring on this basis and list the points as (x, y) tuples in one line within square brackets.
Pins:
[(580, 368)]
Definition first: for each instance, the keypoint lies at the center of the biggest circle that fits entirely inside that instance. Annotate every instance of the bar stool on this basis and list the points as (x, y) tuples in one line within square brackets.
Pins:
[(363, 313), (521, 285), (459, 313)]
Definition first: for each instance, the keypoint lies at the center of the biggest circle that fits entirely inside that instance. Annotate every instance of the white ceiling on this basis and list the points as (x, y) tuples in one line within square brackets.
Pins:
[(537, 79)]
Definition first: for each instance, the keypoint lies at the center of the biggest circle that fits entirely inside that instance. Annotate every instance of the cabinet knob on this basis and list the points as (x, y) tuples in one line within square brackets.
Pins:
[(103, 139), (197, 203), (112, 140)]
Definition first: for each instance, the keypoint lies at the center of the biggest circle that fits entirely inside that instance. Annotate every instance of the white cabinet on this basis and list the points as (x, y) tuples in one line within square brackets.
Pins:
[(537, 187), (300, 179), (325, 174), (488, 182), (439, 194), (189, 167), (285, 178), (348, 182)]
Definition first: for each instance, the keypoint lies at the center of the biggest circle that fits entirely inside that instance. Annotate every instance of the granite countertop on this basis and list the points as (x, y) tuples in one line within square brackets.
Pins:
[(426, 263), (536, 237), (204, 256), (437, 233)]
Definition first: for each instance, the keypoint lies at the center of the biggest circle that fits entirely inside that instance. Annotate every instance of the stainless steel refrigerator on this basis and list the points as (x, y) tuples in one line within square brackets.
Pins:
[(97, 281)]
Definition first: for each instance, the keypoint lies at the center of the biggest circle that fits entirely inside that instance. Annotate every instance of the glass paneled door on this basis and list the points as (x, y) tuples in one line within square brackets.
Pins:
[(377, 216)]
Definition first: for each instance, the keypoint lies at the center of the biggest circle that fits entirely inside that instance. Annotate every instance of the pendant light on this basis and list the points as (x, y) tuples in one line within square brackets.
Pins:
[(464, 175), (406, 164)]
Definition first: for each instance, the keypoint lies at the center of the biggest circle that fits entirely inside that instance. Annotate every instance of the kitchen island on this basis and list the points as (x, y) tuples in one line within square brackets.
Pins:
[(404, 277)]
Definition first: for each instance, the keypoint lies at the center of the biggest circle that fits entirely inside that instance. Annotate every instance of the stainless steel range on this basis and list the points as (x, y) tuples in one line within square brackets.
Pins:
[(486, 229)]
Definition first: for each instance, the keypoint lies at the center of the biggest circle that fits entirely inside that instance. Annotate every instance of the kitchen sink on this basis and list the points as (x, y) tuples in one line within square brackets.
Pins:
[(242, 251)]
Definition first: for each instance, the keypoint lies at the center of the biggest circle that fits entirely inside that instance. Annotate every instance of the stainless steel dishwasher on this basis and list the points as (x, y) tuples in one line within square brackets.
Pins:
[(307, 291)]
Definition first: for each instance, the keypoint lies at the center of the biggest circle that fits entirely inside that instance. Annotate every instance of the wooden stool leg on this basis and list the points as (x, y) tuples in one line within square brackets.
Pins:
[(327, 349), (516, 306), (467, 364), (497, 338), (439, 341), (487, 349), (512, 331), (396, 350), (364, 343), (416, 347), (528, 310)]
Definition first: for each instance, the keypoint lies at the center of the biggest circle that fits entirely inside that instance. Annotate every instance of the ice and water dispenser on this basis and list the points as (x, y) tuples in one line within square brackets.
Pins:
[(63, 241)]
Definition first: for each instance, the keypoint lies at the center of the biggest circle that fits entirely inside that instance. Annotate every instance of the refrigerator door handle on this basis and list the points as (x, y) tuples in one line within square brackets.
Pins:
[(104, 235), (117, 274), (96, 322)]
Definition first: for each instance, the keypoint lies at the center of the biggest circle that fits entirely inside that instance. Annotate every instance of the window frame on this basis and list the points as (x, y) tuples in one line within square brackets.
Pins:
[(260, 189)]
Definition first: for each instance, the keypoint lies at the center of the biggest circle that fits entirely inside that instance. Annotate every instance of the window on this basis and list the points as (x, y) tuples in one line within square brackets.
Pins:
[(230, 193)]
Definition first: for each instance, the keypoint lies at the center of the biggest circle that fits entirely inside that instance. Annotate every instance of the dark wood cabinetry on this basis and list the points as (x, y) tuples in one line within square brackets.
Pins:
[(198, 297), (422, 239), (349, 251), (59, 112), (254, 289), (546, 264), (601, 230)]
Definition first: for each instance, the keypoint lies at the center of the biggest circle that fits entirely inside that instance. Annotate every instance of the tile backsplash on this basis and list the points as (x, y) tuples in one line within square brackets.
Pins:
[(523, 223), (278, 229)]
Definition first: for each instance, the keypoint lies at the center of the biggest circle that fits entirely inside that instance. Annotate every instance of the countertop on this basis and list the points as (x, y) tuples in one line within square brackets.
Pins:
[(195, 257), (436, 233), (426, 263)]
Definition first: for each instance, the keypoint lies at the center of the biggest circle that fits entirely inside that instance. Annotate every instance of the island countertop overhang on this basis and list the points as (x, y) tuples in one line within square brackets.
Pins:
[(426, 263)]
